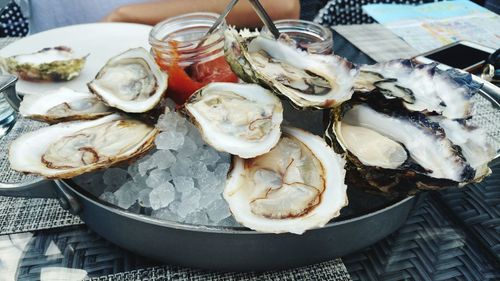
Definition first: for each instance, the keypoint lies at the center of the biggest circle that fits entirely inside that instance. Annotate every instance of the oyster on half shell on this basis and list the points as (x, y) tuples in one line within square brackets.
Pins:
[(69, 149), (131, 81), (397, 151), (241, 119), (63, 105), (49, 64), (308, 80), (296, 186)]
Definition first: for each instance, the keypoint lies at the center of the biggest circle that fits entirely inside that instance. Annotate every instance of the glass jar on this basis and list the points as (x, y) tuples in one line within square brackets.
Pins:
[(175, 47), (310, 36)]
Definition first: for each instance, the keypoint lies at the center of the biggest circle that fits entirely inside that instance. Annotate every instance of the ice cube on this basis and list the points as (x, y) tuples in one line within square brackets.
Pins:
[(157, 177), (169, 140), (229, 221), (198, 169), (162, 195), (164, 214), (191, 198), (197, 218), (207, 198), (144, 165), (143, 197), (126, 195), (221, 170), (182, 167), (218, 211), (183, 184), (164, 159), (109, 197), (208, 183), (210, 156), (188, 149)]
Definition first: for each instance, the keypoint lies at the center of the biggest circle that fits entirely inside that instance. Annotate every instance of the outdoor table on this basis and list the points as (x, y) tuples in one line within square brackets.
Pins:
[(450, 235)]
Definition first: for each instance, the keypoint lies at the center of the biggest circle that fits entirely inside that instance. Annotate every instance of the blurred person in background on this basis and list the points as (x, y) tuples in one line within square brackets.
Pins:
[(48, 14), (241, 15)]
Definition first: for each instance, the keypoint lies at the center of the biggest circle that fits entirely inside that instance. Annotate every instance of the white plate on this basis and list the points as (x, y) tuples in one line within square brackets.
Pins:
[(101, 40)]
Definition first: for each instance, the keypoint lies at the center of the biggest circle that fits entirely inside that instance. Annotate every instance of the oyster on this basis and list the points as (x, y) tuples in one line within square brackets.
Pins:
[(242, 119), (48, 64), (131, 81), (296, 186), (422, 87), (398, 150), (63, 105), (69, 149), (308, 80)]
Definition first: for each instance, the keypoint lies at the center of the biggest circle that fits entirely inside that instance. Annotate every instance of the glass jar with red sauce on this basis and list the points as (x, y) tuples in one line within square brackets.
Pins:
[(189, 66)]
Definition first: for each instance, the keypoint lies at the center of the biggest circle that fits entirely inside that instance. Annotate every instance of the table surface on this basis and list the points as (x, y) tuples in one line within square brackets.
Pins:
[(450, 235)]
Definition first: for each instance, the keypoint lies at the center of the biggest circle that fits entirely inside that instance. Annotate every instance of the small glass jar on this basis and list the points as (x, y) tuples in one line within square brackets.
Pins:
[(175, 47), (310, 36)]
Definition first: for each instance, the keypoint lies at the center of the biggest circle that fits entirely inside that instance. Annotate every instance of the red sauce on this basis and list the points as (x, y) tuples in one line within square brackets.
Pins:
[(183, 82)]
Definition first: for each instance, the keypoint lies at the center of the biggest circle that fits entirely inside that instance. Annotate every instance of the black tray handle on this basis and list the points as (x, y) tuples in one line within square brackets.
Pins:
[(38, 188)]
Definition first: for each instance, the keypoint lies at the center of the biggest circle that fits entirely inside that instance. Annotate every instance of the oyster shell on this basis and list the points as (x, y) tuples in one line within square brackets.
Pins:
[(308, 80), (131, 81), (397, 150), (69, 149), (63, 105), (296, 186), (422, 87), (241, 119), (48, 64)]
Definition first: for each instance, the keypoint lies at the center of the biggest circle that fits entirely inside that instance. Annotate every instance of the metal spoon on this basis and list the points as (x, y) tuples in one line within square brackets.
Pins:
[(264, 16), (216, 24)]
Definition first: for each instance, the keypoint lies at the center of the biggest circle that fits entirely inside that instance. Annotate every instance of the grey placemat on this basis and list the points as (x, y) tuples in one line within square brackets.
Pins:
[(430, 246), (331, 270), (22, 126), (18, 214), (486, 117)]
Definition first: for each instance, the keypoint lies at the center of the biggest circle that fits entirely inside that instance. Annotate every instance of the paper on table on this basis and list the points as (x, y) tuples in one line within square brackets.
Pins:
[(376, 41), (430, 26)]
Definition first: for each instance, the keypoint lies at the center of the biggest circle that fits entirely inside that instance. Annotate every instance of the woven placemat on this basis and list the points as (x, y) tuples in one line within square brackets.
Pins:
[(7, 175), (79, 249), (331, 270), (18, 214), (430, 246)]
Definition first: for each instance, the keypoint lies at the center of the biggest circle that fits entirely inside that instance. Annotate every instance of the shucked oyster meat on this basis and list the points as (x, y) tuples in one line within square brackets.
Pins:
[(308, 80), (49, 64), (131, 81), (296, 186), (242, 119), (69, 149), (63, 105)]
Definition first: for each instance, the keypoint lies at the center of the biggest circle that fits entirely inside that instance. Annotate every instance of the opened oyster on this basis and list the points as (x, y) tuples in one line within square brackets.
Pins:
[(69, 149), (242, 119), (421, 86), (131, 81), (48, 64), (398, 147), (296, 186), (63, 105), (308, 80)]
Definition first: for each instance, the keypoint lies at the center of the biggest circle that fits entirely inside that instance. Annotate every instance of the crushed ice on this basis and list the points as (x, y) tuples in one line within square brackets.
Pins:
[(182, 180)]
